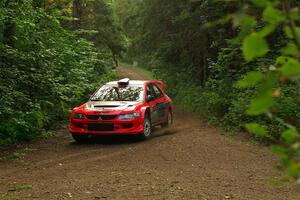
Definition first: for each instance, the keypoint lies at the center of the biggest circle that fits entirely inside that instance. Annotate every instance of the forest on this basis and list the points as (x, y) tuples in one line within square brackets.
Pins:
[(52, 57), (235, 63)]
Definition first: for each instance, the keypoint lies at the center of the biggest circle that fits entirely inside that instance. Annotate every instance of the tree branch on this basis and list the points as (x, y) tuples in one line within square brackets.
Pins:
[(287, 9)]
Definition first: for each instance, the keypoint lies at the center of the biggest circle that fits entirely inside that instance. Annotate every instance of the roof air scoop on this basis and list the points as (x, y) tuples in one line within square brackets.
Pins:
[(123, 82)]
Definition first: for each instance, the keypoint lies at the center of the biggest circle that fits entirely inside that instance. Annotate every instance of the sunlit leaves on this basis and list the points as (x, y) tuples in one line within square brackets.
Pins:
[(289, 32), (273, 15), (260, 105), (250, 79), (290, 49), (257, 130), (263, 101), (293, 169), (247, 24), (254, 46), (280, 151), (290, 136), (287, 68), (266, 30), (290, 67)]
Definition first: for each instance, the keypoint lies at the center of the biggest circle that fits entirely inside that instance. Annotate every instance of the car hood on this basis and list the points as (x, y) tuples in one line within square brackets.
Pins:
[(109, 107)]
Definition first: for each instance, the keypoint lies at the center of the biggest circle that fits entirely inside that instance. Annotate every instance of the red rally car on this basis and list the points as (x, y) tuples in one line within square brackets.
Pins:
[(123, 107)]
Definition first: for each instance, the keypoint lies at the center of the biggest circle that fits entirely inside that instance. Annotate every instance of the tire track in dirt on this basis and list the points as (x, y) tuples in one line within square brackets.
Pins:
[(69, 159)]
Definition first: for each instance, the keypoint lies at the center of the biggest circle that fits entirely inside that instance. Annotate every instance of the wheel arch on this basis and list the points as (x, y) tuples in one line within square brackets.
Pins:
[(146, 112)]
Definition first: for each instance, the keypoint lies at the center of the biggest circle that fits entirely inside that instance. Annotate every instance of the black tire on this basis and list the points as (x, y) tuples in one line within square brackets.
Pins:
[(147, 134), (80, 138), (169, 121)]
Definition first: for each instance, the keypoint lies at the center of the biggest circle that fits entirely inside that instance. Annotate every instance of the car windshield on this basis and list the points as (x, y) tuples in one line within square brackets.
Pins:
[(113, 93)]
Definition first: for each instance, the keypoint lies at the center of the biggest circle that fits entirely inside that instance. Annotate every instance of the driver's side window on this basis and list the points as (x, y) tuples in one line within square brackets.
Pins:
[(150, 93)]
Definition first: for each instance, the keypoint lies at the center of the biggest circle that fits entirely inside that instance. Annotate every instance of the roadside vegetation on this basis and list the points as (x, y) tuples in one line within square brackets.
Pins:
[(49, 63), (203, 50)]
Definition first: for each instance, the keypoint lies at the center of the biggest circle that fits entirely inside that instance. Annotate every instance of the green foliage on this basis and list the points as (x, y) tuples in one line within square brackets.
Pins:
[(254, 46), (250, 79), (206, 71), (286, 67), (173, 32), (290, 136), (257, 129), (45, 70), (96, 21)]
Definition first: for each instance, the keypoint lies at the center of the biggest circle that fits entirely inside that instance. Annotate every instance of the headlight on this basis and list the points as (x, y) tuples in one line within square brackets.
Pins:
[(78, 116), (129, 116)]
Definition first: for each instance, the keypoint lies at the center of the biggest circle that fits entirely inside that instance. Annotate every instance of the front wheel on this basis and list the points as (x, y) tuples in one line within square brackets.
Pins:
[(147, 133)]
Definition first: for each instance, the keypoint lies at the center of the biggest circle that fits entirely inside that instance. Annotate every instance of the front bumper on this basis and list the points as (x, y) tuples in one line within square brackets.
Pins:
[(107, 127)]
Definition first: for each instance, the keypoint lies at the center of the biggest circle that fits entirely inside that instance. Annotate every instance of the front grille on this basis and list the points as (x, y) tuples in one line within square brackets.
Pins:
[(100, 127), (101, 117)]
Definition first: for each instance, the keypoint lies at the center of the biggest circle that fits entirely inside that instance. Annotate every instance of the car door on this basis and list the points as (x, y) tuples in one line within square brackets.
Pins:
[(151, 100), (161, 103)]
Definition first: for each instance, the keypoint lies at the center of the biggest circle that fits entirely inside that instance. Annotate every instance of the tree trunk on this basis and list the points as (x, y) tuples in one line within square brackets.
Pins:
[(77, 13), (8, 32)]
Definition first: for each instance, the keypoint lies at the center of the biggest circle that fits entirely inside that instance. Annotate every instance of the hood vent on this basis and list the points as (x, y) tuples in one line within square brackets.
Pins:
[(107, 106)]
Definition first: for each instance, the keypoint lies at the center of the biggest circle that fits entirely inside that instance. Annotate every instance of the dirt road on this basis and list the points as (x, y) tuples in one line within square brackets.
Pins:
[(190, 161)]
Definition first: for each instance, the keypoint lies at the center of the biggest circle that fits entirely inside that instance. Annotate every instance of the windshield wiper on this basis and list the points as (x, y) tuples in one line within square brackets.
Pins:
[(95, 100)]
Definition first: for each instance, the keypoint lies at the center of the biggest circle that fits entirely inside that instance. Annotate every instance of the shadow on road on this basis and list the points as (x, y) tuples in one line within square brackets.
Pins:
[(124, 139)]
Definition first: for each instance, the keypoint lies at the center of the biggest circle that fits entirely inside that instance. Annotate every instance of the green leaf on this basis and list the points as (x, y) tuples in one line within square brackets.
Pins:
[(273, 15), (279, 150), (282, 59), (290, 136), (260, 105), (290, 49), (246, 23), (264, 99), (250, 79), (289, 33), (290, 66), (294, 169), (267, 30), (267, 86), (257, 130), (254, 46)]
